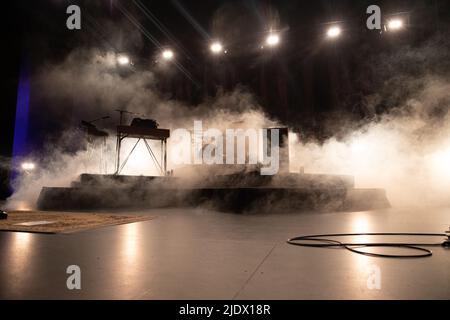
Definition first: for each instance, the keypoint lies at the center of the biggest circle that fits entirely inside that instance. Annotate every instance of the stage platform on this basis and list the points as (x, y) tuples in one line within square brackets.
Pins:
[(240, 192)]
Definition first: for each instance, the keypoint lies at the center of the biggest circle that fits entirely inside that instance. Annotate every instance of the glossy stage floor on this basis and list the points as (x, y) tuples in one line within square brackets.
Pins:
[(199, 254)]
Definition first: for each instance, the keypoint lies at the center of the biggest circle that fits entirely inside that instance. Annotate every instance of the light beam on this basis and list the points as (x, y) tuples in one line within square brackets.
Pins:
[(334, 32), (216, 48), (123, 60), (273, 40), (167, 54), (395, 24)]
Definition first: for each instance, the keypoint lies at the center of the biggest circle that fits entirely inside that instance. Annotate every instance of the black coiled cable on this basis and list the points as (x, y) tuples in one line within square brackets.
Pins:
[(330, 243)]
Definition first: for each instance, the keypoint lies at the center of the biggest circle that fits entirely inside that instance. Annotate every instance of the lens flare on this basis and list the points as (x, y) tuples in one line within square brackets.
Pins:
[(28, 166), (334, 32), (395, 24), (167, 54), (216, 48), (273, 40), (123, 60)]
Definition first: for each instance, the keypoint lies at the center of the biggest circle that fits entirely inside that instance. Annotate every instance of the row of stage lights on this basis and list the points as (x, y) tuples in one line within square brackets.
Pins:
[(271, 41)]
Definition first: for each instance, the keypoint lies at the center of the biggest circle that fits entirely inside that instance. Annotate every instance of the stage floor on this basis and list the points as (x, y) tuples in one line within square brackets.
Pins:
[(198, 254)]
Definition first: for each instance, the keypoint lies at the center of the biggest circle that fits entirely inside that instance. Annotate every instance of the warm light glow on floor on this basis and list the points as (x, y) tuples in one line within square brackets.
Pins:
[(20, 251)]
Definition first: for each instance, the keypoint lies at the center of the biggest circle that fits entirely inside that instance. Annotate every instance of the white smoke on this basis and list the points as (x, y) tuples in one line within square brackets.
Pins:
[(406, 152), (89, 84)]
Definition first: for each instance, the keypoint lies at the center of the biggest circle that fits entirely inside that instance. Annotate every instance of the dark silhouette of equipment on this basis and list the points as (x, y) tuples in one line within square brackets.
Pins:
[(121, 113), (3, 215), (144, 123), (92, 130), (96, 140)]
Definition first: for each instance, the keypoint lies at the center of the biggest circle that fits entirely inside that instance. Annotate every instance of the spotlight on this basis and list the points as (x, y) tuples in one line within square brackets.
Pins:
[(3, 215), (273, 40), (28, 166), (395, 24), (334, 32), (216, 48), (123, 60), (167, 54)]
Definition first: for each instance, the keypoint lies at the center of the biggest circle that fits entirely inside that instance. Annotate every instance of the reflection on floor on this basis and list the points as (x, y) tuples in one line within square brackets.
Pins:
[(198, 254)]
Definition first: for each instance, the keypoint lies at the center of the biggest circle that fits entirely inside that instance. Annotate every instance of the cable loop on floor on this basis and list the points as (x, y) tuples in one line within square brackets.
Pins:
[(326, 242)]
